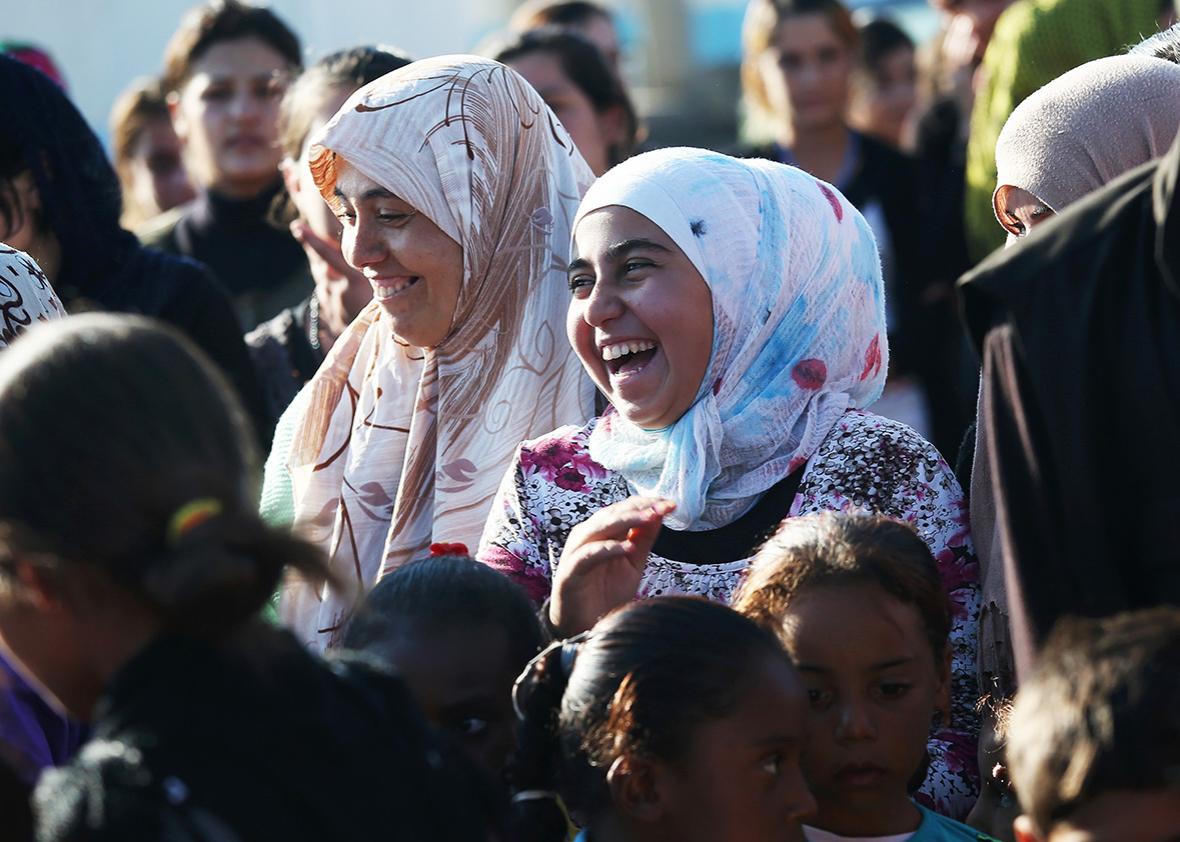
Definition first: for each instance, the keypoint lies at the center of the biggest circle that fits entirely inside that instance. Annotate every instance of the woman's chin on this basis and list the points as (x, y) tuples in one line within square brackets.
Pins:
[(642, 414)]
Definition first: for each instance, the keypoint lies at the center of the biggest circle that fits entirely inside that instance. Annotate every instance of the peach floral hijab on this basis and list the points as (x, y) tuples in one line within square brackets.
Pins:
[(402, 447)]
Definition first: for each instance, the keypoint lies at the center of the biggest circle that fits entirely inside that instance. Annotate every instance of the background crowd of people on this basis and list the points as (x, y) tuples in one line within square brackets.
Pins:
[(413, 447)]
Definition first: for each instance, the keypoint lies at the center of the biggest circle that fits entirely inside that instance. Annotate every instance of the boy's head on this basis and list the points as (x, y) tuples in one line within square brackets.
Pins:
[(859, 605), (1094, 737), (459, 633)]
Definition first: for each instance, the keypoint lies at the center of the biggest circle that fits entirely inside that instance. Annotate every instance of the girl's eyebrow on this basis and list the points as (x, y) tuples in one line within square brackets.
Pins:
[(882, 665), (618, 250), (894, 662)]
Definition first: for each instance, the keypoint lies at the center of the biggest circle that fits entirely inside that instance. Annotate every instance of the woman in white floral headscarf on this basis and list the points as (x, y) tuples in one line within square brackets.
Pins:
[(732, 312), (457, 188)]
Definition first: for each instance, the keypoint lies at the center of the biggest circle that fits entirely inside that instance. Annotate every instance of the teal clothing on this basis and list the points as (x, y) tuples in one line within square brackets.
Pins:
[(938, 828), (934, 828), (277, 503)]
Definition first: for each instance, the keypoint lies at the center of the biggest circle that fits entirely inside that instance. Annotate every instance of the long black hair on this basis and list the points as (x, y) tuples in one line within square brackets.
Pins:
[(45, 135)]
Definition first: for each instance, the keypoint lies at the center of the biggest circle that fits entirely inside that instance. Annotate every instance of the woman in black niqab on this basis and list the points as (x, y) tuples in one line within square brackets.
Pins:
[(1079, 331)]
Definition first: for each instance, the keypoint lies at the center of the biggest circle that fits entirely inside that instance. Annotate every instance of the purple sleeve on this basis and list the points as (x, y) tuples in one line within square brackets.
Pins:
[(34, 736)]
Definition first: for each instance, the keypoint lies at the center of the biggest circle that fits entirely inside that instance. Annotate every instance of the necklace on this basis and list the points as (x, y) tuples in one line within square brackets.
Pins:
[(313, 323)]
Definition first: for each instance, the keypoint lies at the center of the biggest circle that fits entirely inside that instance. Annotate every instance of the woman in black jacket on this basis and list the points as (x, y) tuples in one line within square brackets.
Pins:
[(60, 202)]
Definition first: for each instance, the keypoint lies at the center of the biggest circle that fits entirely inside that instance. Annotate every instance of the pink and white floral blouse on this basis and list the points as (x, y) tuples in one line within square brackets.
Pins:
[(865, 462)]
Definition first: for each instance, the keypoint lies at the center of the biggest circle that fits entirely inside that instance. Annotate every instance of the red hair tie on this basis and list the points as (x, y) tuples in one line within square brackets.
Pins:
[(448, 549)]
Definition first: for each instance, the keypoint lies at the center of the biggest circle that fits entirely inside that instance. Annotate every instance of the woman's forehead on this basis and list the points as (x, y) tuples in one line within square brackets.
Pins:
[(353, 183)]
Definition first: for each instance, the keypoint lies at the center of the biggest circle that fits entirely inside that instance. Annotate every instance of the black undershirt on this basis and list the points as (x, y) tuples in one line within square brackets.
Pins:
[(734, 541)]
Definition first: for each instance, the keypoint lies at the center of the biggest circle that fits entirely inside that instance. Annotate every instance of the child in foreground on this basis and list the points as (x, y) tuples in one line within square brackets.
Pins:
[(458, 633), (858, 603), (1094, 738), (672, 719)]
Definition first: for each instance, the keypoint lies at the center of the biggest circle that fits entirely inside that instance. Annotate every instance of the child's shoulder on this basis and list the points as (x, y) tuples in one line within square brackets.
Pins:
[(939, 828)]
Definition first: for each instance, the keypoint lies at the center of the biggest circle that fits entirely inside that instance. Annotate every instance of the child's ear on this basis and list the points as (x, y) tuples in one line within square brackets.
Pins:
[(1025, 830), (635, 789)]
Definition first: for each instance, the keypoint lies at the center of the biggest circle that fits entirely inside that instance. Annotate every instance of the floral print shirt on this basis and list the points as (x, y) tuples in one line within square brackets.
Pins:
[(865, 462)]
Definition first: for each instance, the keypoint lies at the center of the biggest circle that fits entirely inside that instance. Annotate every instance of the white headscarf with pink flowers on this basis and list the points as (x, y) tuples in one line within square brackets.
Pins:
[(799, 327)]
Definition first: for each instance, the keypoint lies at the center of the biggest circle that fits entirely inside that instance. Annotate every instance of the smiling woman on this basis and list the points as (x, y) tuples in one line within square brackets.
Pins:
[(642, 324), (733, 314), (458, 210), (415, 269)]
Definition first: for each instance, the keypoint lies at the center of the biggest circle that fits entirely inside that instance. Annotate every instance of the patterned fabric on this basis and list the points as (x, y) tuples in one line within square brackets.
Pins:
[(400, 447), (25, 295), (1087, 127), (799, 326), (865, 462)]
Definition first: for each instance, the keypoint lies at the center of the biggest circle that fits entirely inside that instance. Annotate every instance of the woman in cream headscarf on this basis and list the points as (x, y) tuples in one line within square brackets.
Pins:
[(1080, 131), (457, 188)]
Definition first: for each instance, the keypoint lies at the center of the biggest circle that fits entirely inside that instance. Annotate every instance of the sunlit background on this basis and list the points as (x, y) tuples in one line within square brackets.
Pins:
[(680, 56)]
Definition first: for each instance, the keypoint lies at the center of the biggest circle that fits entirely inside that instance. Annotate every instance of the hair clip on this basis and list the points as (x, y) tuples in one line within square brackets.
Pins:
[(535, 795), (569, 652), (448, 549), (191, 515)]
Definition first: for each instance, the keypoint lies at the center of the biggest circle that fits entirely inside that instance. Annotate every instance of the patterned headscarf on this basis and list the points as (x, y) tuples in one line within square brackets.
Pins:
[(25, 295), (799, 327), (1088, 127), (402, 447)]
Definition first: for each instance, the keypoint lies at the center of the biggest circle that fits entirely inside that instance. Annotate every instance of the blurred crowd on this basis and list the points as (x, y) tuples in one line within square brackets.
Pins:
[(410, 447)]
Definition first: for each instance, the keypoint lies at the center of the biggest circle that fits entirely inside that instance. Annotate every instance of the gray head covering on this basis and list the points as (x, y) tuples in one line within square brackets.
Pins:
[(1087, 127)]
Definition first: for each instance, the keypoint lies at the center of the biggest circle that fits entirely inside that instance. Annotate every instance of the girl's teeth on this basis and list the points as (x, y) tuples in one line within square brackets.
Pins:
[(613, 352)]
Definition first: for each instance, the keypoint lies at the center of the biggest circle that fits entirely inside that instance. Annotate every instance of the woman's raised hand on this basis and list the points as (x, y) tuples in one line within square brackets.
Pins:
[(603, 561), (327, 250)]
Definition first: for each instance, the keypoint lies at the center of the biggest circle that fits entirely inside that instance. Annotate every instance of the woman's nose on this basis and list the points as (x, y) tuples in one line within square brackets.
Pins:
[(602, 305), (245, 105), (360, 246), (856, 722)]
